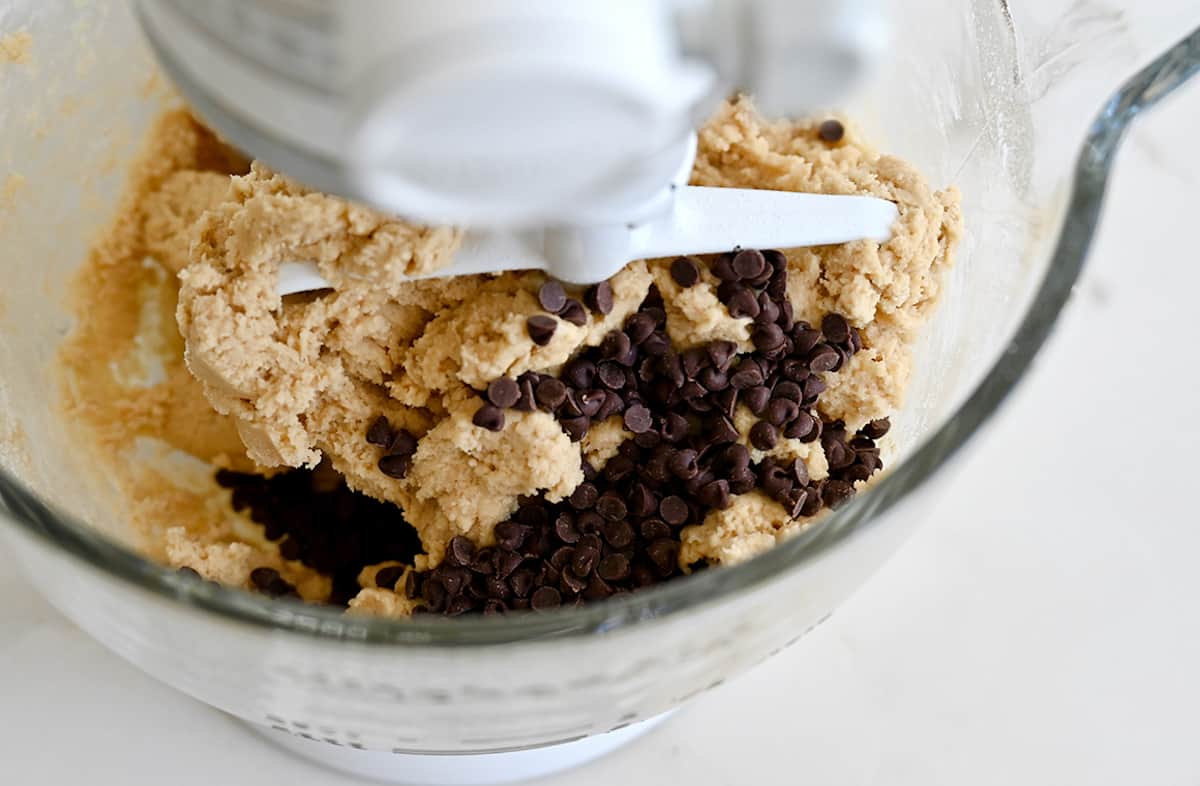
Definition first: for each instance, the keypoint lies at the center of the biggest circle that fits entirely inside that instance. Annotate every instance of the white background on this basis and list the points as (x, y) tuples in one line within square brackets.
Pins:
[(1044, 628)]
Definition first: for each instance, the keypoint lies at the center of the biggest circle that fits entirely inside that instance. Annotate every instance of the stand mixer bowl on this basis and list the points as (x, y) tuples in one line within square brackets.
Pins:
[(977, 97)]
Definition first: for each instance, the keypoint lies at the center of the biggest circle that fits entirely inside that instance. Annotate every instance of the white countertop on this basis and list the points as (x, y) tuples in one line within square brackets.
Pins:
[(1048, 636)]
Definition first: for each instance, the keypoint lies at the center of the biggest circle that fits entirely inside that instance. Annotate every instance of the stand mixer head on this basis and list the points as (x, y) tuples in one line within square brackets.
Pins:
[(560, 133)]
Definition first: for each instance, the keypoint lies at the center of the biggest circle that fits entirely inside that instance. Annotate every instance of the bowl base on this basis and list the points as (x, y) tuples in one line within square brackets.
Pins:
[(454, 769)]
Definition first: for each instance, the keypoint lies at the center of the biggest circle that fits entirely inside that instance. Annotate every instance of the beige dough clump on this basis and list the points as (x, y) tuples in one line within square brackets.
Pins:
[(752, 524), (376, 601), (603, 440), (464, 479)]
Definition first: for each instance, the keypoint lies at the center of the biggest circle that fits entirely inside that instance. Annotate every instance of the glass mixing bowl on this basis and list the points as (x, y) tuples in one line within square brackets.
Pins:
[(991, 98)]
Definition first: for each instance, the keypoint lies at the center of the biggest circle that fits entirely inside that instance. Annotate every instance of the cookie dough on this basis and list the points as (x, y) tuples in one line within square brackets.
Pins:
[(258, 382)]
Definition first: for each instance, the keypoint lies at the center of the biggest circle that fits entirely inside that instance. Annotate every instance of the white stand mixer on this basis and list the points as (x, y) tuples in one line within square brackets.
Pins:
[(559, 133)]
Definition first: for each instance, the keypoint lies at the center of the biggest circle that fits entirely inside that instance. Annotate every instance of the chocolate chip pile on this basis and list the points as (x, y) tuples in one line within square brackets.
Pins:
[(620, 529), (316, 519)]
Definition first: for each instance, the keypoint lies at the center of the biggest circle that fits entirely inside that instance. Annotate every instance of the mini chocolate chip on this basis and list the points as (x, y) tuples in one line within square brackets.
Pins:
[(590, 401), (674, 510), (526, 403), (823, 358), (611, 375), (764, 436), (579, 373), (614, 567), (713, 381), (836, 328), (653, 529), (610, 506), (813, 387), (642, 575), (777, 286), (638, 419), (715, 494), (600, 297), (462, 550), (618, 468), (572, 584), (793, 501), (855, 472), (386, 578), (585, 559), (412, 585), (722, 353), (562, 557), (757, 399), (574, 312), (789, 390), (722, 431), (749, 264), (510, 535), (552, 297), (570, 407), (584, 496), (395, 466), (700, 480), (683, 464), (767, 337), (800, 427), (685, 272), (647, 439), (775, 258), (639, 327), (533, 516), (781, 411), (615, 344), (747, 375), (742, 304), (545, 598), (403, 444), (656, 345), (550, 393), (564, 527), (742, 480), (838, 454), (861, 443), (504, 392), (619, 534), (877, 428), (855, 344), (489, 417), (576, 428), (379, 433), (736, 456), (768, 311), (642, 501), (263, 578), (836, 492), (674, 427), (787, 315), (541, 329), (831, 131), (868, 460), (664, 554), (597, 589), (774, 479), (290, 548), (805, 339), (693, 360), (722, 268)]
